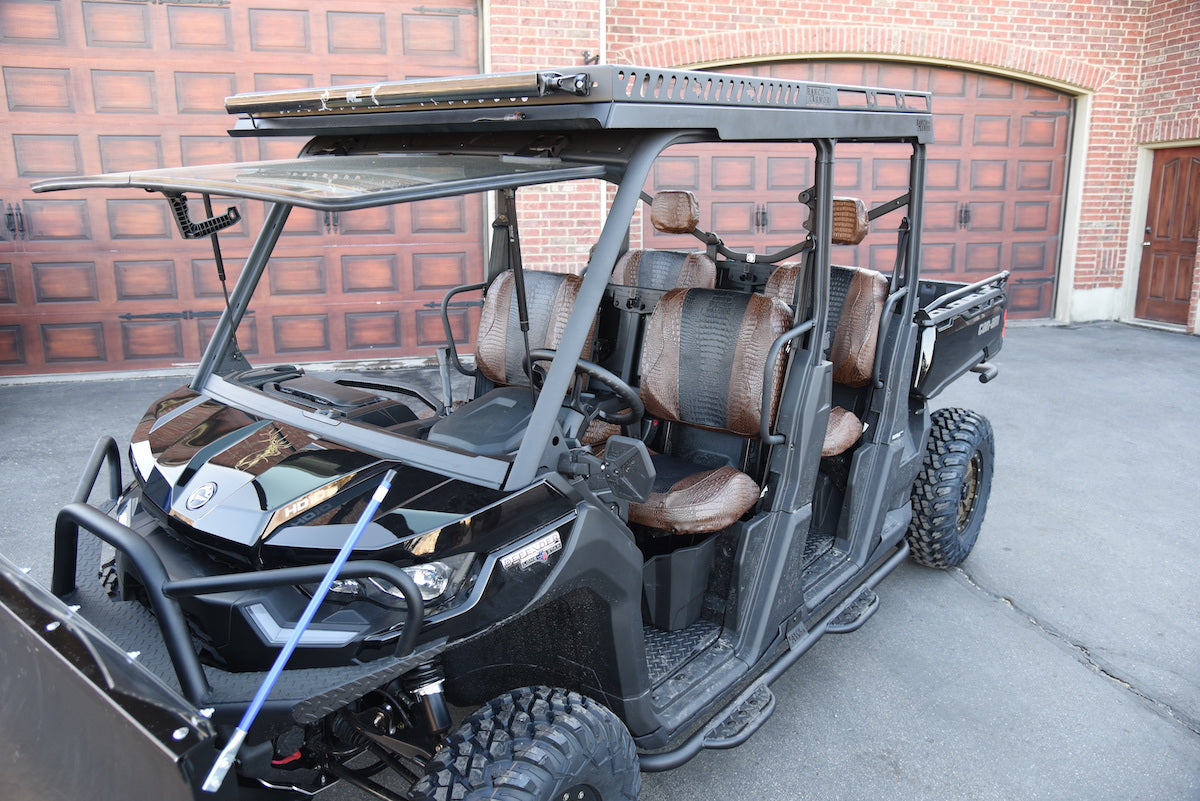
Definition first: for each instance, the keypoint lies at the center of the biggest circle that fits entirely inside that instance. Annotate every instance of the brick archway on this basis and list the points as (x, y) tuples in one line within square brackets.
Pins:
[(859, 41)]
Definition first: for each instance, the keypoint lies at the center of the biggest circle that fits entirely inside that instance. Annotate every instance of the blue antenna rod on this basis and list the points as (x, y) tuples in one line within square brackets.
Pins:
[(229, 753)]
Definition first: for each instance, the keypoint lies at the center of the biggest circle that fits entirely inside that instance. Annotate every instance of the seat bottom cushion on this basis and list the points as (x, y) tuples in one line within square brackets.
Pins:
[(690, 499), (843, 430)]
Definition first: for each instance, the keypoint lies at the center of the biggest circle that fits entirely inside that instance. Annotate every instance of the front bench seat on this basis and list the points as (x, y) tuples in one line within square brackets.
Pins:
[(702, 365)]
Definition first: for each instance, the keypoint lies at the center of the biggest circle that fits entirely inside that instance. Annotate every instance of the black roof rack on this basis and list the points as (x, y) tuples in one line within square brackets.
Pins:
[(602, 96)]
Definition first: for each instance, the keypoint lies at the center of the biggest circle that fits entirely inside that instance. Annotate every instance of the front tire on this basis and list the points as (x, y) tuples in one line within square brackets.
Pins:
[(950, 495), (535, 744)]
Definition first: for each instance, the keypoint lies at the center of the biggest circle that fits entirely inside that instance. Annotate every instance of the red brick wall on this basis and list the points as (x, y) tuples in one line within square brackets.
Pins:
[(1137, 63)]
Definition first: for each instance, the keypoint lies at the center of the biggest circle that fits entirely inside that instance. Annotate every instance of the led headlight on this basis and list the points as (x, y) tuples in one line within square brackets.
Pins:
[(435, 580)]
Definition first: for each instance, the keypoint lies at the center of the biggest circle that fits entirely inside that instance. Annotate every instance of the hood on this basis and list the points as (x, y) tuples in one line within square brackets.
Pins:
[(273, 493)]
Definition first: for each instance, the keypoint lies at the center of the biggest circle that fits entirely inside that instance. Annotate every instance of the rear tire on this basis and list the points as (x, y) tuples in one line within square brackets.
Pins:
[(950, 495), (535, 744)]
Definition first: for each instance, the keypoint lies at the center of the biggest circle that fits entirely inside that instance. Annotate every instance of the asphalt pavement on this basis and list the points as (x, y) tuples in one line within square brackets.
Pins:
[(1061, 661)]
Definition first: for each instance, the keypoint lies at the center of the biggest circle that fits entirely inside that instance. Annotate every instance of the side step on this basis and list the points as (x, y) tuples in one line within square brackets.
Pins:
[(747, 714), (858, 612)]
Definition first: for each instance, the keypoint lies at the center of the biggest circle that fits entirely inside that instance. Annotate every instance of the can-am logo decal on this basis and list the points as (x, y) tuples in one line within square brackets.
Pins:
[(203, 494), (532, 554)]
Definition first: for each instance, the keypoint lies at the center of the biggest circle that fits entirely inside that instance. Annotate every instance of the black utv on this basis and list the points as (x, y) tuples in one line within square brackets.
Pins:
[(673, 470)]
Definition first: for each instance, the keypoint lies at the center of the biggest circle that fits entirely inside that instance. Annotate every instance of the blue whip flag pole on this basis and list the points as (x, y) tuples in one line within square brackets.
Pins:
[(229, 753)]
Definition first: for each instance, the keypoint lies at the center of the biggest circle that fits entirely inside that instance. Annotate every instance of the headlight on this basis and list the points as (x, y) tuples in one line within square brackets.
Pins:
[(437, 581)]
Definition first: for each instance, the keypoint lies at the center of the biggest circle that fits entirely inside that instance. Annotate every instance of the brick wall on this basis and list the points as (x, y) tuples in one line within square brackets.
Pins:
[(1135, 60)]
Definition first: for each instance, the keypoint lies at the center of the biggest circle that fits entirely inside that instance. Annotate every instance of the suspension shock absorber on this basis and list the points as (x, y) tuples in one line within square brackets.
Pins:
[(426, 684)]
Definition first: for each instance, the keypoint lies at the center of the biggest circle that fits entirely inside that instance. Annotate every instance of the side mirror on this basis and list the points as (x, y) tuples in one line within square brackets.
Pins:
[(627, 469)]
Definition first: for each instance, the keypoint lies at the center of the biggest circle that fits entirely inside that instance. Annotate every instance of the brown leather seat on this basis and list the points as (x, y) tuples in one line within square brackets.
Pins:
[(856, 300), (702, 365), (671, 212), (500, 347)]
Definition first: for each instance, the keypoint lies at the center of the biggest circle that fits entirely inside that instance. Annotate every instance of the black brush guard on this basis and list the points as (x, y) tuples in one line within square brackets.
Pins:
[(135, 727)]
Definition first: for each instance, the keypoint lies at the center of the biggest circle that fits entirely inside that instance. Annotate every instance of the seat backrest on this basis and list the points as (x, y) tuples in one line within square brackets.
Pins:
[(499, 346), (858, 296), (671, 212), (704, 355)]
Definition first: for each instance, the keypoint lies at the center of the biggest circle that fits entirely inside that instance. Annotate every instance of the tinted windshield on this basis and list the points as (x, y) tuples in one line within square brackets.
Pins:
[(335, 183)]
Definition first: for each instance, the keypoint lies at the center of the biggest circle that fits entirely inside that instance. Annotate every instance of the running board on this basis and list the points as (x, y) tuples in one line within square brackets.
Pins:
[(858, 612), (750, 709)]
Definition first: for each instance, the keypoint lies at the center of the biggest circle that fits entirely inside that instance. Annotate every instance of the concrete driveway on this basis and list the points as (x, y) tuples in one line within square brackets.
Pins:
[(1062, 661)]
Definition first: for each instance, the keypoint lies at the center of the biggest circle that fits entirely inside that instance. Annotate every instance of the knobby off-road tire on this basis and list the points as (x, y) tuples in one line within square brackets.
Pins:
[(950, 495), (535, 744)]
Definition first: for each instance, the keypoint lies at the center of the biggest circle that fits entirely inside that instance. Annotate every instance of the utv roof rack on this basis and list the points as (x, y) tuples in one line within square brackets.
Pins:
[(603, 96)]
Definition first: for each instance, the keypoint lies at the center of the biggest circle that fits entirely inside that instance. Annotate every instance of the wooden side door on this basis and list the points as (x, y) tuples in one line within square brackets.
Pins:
[(1169, 249)]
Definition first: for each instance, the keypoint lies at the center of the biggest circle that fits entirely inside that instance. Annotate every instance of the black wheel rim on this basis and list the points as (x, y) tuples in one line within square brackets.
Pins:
[(579, 792), (970, 490)]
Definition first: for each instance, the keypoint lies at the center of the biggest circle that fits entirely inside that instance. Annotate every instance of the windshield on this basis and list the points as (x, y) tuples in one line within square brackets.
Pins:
[(342, 183)]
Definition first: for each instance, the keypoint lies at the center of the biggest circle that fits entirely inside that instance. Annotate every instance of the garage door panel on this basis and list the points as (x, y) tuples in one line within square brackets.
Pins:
[(1033, 216), (943, 174), (987, 215), (992, 130), (1041, 131), (153, 279), (38, 89), (1035, 176), (296, 276), (65, 282), (124, 92), (199, 28), (57, 220), (941, 216), (440, 271), (1032, 257), (732, 172), (991, 87), (356, 32), (26, 22), (784, 172), (157, 340), (138, 219), (12, 346), (848, 175), (988, 175), (674, 172), (948, 129), (203, 92), (370, 272), (73, 343), (120, 153), (197, 151), (278, 30), (300, 333), (44, 155), (939, 260), (8, 289), (373, 330), (116, 25), (1030, 298)]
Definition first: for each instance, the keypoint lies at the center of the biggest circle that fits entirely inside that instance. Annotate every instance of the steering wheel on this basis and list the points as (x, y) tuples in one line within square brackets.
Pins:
[(626, 394)]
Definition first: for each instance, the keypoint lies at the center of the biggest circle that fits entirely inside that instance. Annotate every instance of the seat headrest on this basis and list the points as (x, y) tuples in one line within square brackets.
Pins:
[(675, 212), (850, 223)]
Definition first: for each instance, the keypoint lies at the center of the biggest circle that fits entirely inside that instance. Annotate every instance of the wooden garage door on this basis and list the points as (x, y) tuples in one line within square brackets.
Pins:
[(994, 182), (102, 281)]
